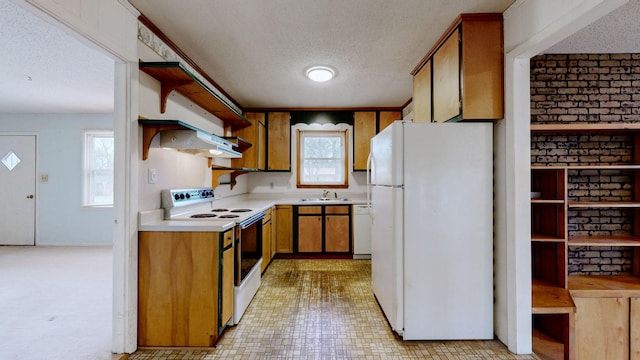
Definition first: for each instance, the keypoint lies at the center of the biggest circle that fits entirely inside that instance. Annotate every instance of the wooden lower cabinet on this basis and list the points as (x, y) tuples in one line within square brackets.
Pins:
[(226, 279), (322, 229), (274, 232), (603, 326), (267, 239), (184, 289), (284, 229), (337, 229), (310, 234)]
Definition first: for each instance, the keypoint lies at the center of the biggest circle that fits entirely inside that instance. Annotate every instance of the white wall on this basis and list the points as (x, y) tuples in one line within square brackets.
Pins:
[(175, 170), (61, 218)]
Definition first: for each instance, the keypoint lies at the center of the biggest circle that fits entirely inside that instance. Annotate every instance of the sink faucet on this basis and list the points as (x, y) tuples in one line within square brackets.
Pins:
[(325, 193)]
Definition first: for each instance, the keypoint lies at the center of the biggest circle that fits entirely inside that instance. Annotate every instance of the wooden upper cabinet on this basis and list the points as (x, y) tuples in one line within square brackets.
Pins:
[(422, 94), (262, 144), (467, 80), (279, 141), (482, 68), (253, 157), (446, 80), (385, 118), (364, 128)]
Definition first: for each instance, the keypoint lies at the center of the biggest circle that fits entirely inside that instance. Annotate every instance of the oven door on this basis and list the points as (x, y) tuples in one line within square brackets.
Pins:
[(248, 246)]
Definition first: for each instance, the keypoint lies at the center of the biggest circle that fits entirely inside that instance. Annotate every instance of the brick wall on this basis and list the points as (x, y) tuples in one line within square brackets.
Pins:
[(589, 88)]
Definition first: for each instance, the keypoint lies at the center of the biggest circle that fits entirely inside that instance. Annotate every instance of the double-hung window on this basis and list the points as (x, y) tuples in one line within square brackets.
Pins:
[(322, 159), (98, 168)]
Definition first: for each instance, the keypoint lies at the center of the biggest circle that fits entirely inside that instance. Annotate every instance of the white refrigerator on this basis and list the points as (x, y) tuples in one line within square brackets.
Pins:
[(431, 196)]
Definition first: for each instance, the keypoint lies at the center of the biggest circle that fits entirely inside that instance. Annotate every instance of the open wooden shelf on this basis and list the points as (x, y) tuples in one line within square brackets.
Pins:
[(584, 128), (240, 143), (620, 240), (173, 76), (547, 201), (566, 324), (546, 347), (217, 171), (550, 299), (545, 238), (587, 167), (604, 285), (602, 204)]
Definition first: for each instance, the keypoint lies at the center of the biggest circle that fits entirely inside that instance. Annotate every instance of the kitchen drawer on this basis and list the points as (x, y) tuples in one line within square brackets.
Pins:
[(338, 209), (228, 239), (267, 215), (309, 209)]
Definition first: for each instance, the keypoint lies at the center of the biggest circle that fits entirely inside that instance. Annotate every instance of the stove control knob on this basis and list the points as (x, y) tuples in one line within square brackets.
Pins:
[(181, 196), (187, 195), (176, 196)]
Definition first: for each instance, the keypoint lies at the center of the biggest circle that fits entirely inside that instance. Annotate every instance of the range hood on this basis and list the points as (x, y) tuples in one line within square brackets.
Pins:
[(198, 143)]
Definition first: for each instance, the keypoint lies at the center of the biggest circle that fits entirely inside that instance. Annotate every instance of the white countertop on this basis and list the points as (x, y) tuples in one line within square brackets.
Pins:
[(152, 220)]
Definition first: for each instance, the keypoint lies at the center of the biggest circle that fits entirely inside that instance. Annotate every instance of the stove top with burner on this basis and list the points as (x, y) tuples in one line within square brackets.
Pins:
[(198, 204)]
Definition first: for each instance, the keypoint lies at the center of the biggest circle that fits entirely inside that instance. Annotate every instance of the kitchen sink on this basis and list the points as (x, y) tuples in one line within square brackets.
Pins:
[(324, 199)]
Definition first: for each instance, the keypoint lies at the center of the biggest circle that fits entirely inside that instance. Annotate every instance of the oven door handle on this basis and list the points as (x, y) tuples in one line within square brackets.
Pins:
[(251, 220)]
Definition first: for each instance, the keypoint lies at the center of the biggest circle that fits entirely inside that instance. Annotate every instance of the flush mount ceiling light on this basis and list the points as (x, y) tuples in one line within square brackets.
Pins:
[(320, 73)]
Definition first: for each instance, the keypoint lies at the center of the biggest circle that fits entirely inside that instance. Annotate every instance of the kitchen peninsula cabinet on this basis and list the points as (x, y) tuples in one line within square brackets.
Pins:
[(279, 141), (253, 157), (185, 287), (322, 229), (467, 72), (284, 229)]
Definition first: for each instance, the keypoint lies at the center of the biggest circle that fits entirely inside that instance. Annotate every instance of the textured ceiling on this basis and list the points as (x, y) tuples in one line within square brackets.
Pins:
[(258, 50), (45, 70), (617, 32)]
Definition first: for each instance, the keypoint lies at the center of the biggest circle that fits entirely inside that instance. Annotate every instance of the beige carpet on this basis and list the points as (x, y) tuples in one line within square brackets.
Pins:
[(55, 303)]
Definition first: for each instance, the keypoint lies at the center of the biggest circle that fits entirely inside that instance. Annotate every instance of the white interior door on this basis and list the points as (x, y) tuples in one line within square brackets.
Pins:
[(18, 179)]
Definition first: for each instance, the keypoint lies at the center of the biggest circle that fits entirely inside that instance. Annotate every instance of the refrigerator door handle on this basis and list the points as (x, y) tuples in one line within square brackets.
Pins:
[(370, 168)]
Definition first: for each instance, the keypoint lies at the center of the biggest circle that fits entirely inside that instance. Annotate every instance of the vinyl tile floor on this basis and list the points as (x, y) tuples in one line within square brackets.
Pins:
[(322, 309)]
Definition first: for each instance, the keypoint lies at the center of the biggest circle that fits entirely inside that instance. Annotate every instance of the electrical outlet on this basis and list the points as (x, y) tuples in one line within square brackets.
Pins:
[(44, 178), (151, 176)]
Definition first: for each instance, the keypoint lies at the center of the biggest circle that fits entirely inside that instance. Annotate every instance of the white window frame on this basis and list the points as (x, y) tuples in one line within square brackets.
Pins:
[(343, 158), (89, 172)]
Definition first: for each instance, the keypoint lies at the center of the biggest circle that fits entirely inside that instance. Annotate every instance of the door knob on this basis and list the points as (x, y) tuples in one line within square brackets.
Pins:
[(30, 196)]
